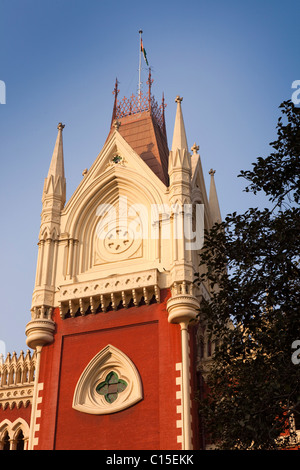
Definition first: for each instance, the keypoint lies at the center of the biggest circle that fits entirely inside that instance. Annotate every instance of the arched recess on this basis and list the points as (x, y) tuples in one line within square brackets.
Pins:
[(109, 383), (19, 428), (82, 223), (125, 181)]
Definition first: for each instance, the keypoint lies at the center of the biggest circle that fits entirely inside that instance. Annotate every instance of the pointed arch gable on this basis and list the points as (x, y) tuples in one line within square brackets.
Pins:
[(102, 170), (80, 251), (20, 425), (107, 190)]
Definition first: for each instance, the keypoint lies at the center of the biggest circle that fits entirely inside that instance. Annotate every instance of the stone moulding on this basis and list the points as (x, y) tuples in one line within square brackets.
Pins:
[(109, 293), (16, 396)]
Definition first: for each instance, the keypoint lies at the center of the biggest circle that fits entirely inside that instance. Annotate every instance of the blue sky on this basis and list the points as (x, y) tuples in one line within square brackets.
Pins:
[(232, 61)]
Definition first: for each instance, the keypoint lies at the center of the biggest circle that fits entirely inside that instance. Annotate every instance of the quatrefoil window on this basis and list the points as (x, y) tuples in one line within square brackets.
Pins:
[(109, 383), (111, 387)]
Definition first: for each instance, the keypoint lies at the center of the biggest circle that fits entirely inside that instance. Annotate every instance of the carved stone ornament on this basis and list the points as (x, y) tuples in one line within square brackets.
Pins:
[(116, 160), (116, 240)]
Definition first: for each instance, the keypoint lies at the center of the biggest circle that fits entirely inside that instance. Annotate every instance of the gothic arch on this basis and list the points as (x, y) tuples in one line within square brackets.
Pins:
[(84, 226), (106, 190), (13, 431)]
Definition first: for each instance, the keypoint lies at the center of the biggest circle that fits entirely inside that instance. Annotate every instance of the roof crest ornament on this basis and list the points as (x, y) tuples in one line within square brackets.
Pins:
[(149, 83), (115, 92), (138, 104)]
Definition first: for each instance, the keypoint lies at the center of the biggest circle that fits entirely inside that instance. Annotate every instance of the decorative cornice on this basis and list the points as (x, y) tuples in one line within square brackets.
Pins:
[(16, 396), (110, 292)]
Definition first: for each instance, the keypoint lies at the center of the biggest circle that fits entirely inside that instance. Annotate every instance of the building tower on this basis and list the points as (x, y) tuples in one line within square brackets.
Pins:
[(114, 309)]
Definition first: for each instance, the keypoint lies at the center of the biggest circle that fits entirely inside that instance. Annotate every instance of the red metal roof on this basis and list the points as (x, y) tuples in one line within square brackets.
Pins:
[(144, 135), (142, 125)]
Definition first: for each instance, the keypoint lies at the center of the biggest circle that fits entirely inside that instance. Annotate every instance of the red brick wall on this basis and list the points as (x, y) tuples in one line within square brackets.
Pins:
[(145, 336)]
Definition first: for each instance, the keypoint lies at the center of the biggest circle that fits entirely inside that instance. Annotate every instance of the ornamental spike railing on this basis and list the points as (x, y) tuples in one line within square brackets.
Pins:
[(138, 104)]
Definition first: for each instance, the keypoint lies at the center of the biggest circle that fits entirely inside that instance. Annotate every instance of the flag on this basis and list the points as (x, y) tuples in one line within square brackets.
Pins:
[(144, 52)]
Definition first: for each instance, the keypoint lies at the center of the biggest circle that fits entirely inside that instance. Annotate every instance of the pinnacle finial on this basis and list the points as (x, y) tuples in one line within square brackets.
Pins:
[(116, 91), (117, 124), (178, 99), (60, 126), (163, 106), (195, 148), (211, 172)]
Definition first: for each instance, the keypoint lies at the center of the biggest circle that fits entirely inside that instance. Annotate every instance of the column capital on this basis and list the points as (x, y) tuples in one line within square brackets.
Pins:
[(182, 308), (39, 332)]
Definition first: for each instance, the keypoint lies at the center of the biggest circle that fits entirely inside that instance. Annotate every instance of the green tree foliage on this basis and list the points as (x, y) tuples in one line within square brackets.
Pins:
[(251, 264)]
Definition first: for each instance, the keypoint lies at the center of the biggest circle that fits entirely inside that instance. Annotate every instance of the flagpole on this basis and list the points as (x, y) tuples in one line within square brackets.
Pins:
[(140, 66)]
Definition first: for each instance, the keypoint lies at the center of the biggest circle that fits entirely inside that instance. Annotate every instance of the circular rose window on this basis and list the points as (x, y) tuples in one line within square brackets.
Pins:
[(118, 240)]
